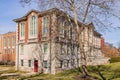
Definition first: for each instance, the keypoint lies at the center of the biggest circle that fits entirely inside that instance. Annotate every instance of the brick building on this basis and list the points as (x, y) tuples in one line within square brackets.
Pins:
[(8, 47), (47, 42)]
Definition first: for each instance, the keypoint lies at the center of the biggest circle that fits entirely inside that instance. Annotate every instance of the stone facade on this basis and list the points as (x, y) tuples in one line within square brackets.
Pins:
[(47, 42)]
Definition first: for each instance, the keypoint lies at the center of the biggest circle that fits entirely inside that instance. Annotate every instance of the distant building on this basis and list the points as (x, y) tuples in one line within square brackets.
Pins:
[(8, 47), (47, 42)]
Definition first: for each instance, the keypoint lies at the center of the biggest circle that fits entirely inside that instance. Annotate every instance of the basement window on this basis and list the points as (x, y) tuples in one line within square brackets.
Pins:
[(22, 62), (29, 63), (45, 64)]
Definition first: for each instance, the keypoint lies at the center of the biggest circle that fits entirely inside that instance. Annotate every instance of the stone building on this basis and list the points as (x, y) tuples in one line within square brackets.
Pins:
[(47, 42)]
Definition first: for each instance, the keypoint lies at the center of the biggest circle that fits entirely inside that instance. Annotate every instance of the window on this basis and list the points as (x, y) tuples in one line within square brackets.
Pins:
[(45, 25), (13, 51), (8, 51), (13, 41), (4, 42), (68, 50), (4, 50), (22, 62), (61, 64), (73, 34), (45, 64), (33, 26), (29, 63), (45, 48), (62, 49), (67, 63), (22, 29), (22, 49), (61, 22), (68, 31), (8, 41)]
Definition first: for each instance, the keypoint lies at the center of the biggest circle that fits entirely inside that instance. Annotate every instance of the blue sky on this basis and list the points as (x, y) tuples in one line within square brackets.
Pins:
[(12, 9)]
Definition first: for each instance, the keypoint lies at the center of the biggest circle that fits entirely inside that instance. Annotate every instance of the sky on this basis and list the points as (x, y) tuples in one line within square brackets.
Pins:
[(12, 9)]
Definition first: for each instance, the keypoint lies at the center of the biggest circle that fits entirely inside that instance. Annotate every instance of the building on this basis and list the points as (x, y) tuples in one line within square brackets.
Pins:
[(47, 42), (8, 47)]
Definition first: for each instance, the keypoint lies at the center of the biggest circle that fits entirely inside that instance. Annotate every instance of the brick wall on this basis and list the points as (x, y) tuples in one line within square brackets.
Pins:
[(10, 53)]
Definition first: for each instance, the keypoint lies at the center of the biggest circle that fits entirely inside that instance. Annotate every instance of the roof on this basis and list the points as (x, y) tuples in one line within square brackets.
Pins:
[(36, 11)]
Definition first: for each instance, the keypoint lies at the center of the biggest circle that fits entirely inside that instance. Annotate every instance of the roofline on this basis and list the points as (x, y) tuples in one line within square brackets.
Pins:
[(25, 16)]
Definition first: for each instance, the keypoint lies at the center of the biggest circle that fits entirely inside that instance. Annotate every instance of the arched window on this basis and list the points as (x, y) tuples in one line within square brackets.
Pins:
[(33, 26), (22, 29), (45, 26)]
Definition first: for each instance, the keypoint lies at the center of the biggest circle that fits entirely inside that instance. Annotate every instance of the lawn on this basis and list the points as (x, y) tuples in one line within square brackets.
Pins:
[(109, 71)]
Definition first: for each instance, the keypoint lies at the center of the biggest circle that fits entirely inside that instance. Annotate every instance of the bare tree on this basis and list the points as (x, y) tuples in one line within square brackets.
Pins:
[(84, 11)]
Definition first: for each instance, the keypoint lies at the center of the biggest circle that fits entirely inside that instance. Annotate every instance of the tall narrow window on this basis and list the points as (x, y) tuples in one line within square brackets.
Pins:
[(8, 51), (68, 30), (29, 63), (22, 49), (22, 62), (4, 42), (61, 29), (45, 47), (4, 50), (22, 29), (61, 64), (13, 41), (33, 26), (45, 25), (8, 41), (45, 64)]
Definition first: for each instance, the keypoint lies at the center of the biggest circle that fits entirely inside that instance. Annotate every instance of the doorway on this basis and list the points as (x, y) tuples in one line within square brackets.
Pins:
[(35, 65)]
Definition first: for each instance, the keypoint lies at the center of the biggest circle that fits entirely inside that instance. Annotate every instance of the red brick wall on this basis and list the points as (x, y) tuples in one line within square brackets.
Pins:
[(9, 56), (27, 27)]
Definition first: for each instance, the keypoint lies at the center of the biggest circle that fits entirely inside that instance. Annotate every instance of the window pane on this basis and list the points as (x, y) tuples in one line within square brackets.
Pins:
[(29, 63), (13, 41), (33, 26), (45, 25), (45, 64), (4, 42), (45, 48), (22, 49), (8, 41), (22, 63)]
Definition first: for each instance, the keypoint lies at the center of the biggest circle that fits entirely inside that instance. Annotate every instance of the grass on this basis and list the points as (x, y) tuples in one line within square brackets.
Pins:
[(109, 71)]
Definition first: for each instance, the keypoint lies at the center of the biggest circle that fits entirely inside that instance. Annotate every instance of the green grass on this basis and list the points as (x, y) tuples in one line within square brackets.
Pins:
[(109, 71), (114, 59)]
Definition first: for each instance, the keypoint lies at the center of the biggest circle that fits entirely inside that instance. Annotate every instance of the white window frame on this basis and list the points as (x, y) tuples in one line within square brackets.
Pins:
[(46, 33), (22, 34), (36, 28), (9, 42), (62, 27), (21, 49)]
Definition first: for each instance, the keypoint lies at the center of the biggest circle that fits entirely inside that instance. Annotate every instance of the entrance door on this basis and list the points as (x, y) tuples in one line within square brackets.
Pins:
[(35, 65)]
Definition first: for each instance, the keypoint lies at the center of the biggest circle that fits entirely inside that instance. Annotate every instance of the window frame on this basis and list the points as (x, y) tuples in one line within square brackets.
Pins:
[(22, 62), (33, 26), (45, 27), (44, 45), (21, 49), (45, 65), (22, 30), (29, 63)]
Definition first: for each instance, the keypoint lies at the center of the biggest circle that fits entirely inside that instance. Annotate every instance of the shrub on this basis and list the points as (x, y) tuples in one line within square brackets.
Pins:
[(115, 59)]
